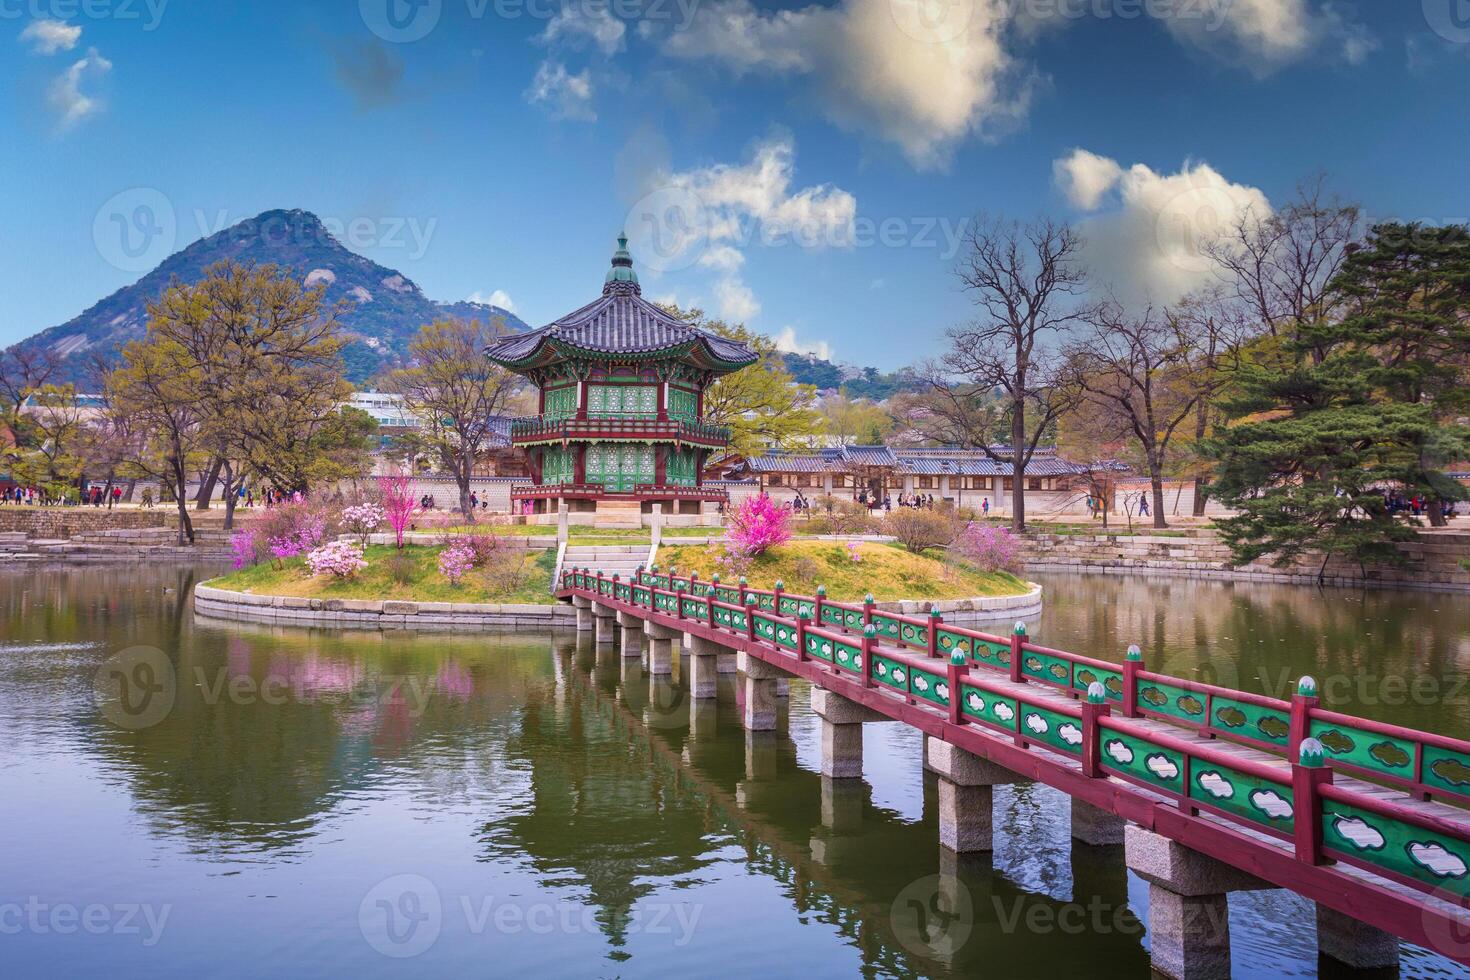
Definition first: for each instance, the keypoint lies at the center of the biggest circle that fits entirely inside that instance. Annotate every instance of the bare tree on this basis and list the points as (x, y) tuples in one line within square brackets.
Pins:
[(1147, 370), (1028, 284), (1280, 266)]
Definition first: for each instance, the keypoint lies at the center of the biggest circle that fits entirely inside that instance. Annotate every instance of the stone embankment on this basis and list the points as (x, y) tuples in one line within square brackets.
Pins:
[(378, 614), (1437, 560), (84, 534)]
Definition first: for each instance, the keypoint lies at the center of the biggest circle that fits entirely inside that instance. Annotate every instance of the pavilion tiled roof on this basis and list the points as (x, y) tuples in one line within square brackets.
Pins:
[(621, 321)]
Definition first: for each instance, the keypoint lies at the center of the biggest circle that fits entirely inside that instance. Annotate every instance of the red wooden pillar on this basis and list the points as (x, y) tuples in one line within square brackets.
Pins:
[(1131, 666), (743, 585), (959, 669), (1308, 774), (870, 644), (749, 603), (1302, 703), (935, 619), (817, 604), (678, 599), (1095, 707), (867, 610), (1018, 637), (776, 597), (801, 636)]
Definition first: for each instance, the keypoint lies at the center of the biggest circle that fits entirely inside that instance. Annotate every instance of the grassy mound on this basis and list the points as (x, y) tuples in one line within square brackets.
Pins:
[(424, 584), (887, 571)]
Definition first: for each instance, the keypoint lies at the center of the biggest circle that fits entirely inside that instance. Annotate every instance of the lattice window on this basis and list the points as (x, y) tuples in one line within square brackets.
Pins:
[(680, 468), (561, 402), (683, 404), (558, 465), (622, 401)]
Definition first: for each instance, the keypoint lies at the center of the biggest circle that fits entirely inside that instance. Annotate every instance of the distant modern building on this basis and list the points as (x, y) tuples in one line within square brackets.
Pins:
[(620, 425), (394, 419), (964, 477)]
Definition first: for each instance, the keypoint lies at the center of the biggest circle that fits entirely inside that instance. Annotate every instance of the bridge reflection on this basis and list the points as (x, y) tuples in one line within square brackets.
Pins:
[(613, 751)]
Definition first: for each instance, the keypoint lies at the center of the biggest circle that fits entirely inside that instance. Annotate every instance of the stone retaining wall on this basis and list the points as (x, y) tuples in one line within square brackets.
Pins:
[(968, 612), (1433, 559), (379, 614), (67, 522)]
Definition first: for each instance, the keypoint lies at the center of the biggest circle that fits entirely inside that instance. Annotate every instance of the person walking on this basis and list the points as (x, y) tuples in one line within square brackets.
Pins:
[(985, 507)]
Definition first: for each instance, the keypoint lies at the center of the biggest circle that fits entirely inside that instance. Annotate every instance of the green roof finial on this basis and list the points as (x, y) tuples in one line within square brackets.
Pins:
[(780, 585), (821, 590), (1020, 628), (958, 658), (868, 599), (1307, 686), (1134, 653), (622, 267), (870, 631), (934, 611), (1096, 693), (1310, 752)]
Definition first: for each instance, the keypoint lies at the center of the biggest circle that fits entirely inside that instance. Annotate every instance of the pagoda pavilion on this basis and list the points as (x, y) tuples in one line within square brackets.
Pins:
[(621, 408)]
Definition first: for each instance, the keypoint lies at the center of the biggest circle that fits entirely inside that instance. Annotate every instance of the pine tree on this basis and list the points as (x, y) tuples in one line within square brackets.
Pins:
[(1345, 408)]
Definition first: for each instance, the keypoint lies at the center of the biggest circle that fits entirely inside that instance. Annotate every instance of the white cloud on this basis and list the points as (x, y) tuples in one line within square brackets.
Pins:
[(65, 96), (1085, 177), (1119, 752), (1037, 724), (565, 95), (1215, 784), (1361, 834), (498, 298), (1070, 734), (736, 301), (1161, 766), (889, 67), (50, 36), (787, 341), (1263, 35), (707, 216), (1434, 858), (1151, 246), (1271, 803), (592, 24)]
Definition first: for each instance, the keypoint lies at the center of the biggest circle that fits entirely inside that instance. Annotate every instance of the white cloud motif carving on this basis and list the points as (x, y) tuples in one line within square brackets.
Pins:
[(1359, 833), (1270, 803), (1119, 752), (1216, 785), (1070, 734), (976, 701), (1435, 859), (921, 683), (1004, 712), (1162, 766), (1037, 724)]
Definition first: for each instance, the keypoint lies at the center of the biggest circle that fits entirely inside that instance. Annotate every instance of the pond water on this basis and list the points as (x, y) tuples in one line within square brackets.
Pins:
[(301, 803)]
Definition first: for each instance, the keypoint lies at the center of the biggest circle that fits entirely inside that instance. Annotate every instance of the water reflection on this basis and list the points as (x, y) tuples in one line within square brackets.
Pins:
[(301, 777)]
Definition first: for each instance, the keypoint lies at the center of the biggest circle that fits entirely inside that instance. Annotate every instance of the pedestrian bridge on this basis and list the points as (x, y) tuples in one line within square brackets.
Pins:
[(1211, 790)]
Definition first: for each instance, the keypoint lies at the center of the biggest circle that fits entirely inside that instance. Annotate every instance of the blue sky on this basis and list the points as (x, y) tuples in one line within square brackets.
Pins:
[(804, 167)]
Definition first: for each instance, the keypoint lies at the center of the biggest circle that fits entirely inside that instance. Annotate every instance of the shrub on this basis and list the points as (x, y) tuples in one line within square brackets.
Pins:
[(918, 528), (287, 530), (806, 568), (400, 567), (851, 517), (757, 525), (341, 559), (362, 520), (454, 561), (506, 570), (991, 549), (481, 544), (398, 503)]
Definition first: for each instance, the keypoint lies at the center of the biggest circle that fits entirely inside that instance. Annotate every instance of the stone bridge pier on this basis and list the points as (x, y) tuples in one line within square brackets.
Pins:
[(1188, 904), (632, 627), (606, 622), (583, 605), (966, 796), (758, 693), (842, 733), (704, 670)]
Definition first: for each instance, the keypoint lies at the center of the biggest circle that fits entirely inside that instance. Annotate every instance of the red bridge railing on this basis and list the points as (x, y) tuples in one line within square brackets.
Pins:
[(971, 678)]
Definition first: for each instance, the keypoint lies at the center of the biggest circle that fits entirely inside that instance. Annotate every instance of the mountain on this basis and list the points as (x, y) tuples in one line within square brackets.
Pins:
[(384, 308), (858, 382)]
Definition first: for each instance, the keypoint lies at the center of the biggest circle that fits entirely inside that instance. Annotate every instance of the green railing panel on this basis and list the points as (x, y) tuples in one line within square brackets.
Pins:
[(1084, 675), (1143, 760), (1257, 800), (785, 635), (642, 595), (1045, 667), (624, 591), (765, 627), (695, 608), (913, 635), (730, 618), (929, 686), (890, 672), (1167, 699), (789, 606), (994, 708), (1246, 720), (700, 589), (886, 625), (725, 594), (1418, 854), (820, 647), (835, 616), (1447, 770), (765, 602), (1059, 731), (848, 656), (1365, 749), (664, 602)]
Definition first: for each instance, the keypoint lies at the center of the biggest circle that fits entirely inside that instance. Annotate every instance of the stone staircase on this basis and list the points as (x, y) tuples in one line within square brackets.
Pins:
[(615, 559)]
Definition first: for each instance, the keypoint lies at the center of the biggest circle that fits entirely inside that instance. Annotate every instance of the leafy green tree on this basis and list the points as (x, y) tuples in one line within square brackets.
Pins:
[(762, 404), (1342, 408)]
